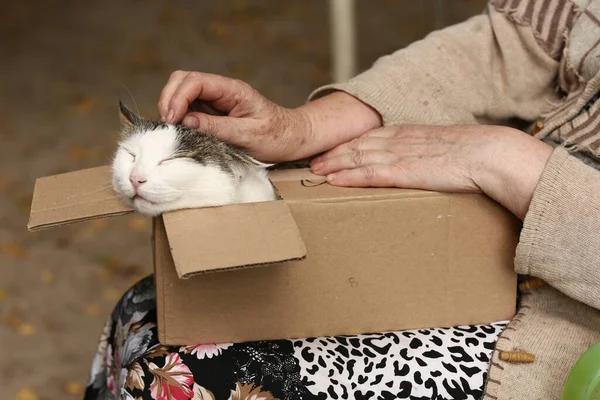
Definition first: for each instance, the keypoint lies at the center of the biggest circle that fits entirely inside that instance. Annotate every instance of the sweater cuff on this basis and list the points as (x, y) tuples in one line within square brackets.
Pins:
[(555, 195)]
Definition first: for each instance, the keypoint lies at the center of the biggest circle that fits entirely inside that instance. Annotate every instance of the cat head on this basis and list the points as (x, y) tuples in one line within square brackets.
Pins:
[(161, 167)]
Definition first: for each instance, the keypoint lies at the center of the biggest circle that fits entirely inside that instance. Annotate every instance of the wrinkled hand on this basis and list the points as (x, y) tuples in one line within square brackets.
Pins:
[(234, 112), (503, 163)]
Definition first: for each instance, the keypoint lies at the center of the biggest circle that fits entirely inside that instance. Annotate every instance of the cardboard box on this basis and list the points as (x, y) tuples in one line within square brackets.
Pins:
[(322, 261)]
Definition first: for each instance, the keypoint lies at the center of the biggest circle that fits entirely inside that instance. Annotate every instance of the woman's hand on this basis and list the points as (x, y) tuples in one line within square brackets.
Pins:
[(503, 163), (234, 112)]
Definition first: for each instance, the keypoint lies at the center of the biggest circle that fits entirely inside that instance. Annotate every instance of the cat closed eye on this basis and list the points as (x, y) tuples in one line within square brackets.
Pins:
[(165, 160), (181, 158)]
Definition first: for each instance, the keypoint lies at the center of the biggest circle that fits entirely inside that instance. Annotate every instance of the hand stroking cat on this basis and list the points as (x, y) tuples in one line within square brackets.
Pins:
[(160, 167)]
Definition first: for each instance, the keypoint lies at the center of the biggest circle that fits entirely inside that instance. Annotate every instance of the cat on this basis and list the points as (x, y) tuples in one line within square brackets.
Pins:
[(160, 167)]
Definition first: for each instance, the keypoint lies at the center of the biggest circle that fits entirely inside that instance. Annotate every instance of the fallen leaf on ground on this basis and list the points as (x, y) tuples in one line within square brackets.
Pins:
[(3, 294), (5, 182), (135, 279), (85, 104), (240, 5), (101, 223), (73, 388), (47, 276), (110, 262), (111, 294), (77, 152), (132, 270), (145, 61), (27, 394), (139, 224), (92, 310), (220, 29), (62, 242), (11, 320), (26, 329), (168, 17), (106, 275), (13, 250)]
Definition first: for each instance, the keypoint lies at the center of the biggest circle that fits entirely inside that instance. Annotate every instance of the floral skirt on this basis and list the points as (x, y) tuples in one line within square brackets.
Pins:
[(440, 363)]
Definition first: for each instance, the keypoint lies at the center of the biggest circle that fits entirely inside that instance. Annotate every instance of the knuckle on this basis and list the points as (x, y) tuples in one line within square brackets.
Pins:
[(357, 157), (209, 126), (176, 74), (246, 91), (241, 83), (369, 173), (356, 143), (238, 97), (195, 76)]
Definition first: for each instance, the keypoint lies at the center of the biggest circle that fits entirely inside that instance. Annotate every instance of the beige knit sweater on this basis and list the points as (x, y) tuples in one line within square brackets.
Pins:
[(521, 61)]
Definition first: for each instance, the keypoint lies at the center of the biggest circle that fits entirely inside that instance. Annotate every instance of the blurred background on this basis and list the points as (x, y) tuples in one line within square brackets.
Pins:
[(63, 65)]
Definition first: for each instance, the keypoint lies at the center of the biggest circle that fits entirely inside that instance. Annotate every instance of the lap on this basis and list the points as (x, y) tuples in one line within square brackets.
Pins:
[(130, 363)]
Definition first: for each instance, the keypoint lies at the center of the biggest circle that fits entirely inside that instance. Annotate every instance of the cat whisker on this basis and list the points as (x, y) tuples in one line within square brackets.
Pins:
[(133, 99)]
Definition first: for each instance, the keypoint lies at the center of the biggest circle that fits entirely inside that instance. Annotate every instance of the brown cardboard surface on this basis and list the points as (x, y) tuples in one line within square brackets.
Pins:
[(73, 197), (241, 235), (376, 259), (403, 260)]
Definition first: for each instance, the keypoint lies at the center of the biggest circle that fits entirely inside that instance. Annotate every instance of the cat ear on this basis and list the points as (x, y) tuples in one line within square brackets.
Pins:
[(128, 117)]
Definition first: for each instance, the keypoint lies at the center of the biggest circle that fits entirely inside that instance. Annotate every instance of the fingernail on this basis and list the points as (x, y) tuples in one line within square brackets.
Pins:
[(317, 166), (191, 122), (162, 118), (331, 177), (170, 116)]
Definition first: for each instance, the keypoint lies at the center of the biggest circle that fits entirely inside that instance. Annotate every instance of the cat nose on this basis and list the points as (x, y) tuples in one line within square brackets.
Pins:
[(136, 181)]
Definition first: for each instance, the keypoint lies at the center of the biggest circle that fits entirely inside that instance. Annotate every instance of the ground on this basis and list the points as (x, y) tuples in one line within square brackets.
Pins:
[(64, 64)]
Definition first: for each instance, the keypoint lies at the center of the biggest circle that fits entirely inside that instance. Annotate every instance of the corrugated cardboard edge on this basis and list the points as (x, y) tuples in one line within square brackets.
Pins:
[(158, 234), (247, 266), (36, 227)]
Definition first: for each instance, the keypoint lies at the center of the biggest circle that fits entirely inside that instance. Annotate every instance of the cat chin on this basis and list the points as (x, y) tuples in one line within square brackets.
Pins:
[(153, 210)]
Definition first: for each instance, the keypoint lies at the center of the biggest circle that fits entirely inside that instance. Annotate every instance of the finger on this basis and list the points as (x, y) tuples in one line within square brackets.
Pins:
[(367, 176), (167, 93), (223, 93), (204, 107), (355, 159), (363, 143), (228, 129)]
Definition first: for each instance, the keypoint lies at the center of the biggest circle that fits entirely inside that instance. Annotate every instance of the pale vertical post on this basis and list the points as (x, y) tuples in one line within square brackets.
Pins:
[(343, 39), (439, 14)]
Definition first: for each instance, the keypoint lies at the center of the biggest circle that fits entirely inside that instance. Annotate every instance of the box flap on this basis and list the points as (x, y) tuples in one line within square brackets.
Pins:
[(73, 197), (236, 236)]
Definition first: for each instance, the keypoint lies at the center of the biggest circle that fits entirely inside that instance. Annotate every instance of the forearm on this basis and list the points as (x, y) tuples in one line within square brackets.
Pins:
[(335, 119)]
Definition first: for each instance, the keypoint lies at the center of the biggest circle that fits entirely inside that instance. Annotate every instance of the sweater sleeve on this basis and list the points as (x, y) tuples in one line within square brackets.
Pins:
[(496, 66), (560, 240)]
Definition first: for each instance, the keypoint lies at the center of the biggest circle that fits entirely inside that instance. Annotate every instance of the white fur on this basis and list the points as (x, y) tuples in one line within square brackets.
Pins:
[(180, 183)]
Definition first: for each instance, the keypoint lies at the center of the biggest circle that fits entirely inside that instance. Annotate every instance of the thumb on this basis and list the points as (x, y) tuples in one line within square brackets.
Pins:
[(227, 129)]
